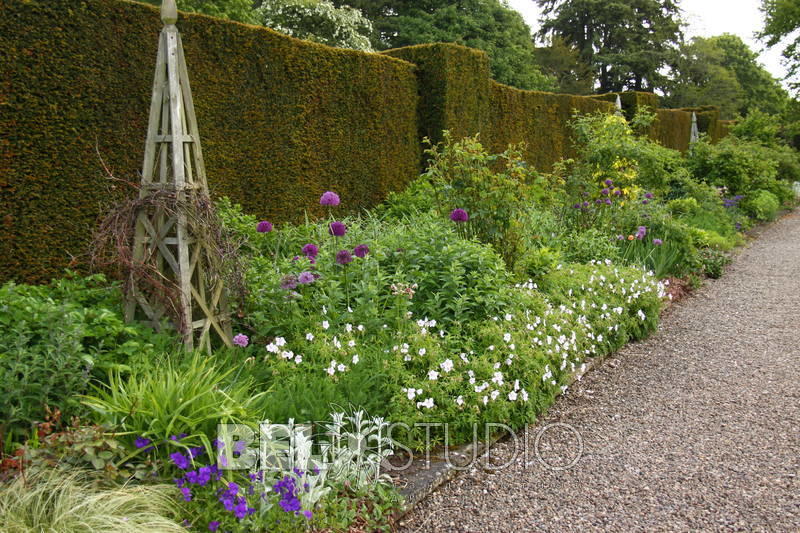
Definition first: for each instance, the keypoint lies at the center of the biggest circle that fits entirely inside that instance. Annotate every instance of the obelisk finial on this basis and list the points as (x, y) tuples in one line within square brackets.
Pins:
[(169, 12)]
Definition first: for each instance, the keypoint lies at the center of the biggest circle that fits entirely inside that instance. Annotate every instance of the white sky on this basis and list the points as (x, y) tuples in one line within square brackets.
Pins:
[(704, 18)]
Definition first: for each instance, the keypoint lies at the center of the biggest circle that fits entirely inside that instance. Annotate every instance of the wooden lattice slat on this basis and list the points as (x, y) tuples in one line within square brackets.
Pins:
[(163, 237)]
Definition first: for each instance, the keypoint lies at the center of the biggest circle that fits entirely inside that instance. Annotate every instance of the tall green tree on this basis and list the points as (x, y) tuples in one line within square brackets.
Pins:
[(724, 71), (489, 25), (627, 42), (564, 64), (781, 20)]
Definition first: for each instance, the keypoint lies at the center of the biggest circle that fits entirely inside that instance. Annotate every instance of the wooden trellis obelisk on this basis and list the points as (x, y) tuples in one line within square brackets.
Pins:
[(173, 168)]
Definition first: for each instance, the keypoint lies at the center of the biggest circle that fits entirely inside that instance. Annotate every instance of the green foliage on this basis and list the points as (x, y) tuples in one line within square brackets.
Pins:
[(724, 70), (319, 21), (713, 262), (761, 205), (781, 19), (627, 43), (55, 338), (589, 245), (61, 502), (488, 25), (493, 189), (738, 165), (93, 449), (281, 120), (564, 63), (169, 399)]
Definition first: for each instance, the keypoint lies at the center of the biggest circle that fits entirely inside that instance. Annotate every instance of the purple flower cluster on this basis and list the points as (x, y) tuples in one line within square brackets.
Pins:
[(732, 202), (311, 251), (264, 226), (329, 198), (344, 257), (641, 232), (337, 229), (287, 488), (233, 502), (459, 215), (361, 251), (241, 340)]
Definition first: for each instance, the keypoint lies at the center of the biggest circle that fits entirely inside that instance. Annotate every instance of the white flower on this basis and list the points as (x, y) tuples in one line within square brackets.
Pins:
[(509, 317), (491, 348), (280, 341), (512, 346), (495, 394), (485, 400), (337, 342), (463, 357), (324, 311), (360, 327), (341, 367), (298, 359), (355, 359), (507, 337), (498, 378), (433, 375), (512, 396), (272, 348), (348, 328), (287, 354), (404, 348), (325, 324), (524, 395), (422, 351), (351, 343), (641, 314), (309, 337), (460, 400), (447, 366), (428, 404)]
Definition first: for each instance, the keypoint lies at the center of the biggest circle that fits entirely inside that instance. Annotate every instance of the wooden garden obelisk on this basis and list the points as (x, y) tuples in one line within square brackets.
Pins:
[(173, 169)]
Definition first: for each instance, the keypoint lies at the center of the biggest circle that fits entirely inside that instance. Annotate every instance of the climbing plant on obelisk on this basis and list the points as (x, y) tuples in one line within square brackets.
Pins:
[(169, 233)]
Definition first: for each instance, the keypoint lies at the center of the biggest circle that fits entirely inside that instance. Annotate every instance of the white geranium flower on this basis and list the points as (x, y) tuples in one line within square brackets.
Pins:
[(460, 401), (433, 375), (428, 404), (355, 359), (447, 366), (280, 341), (325, 324), (309, 337), (512, 396)]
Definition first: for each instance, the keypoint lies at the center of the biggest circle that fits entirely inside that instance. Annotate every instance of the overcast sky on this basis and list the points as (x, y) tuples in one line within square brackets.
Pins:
[(705, 18)]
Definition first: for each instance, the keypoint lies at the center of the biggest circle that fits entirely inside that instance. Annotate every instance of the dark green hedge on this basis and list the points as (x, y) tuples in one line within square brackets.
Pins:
[(708, 121), (539, 119), (281, 120), (673, 129), (453, 86)]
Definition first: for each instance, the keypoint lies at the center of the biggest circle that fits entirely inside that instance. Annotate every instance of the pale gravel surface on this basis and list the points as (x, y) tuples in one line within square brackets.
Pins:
[(696, 428)]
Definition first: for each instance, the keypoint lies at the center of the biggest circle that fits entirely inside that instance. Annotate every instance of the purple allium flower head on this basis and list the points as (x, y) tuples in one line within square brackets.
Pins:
[(265, 226), (645, 201), (337, 229), (241, 340), (585, 204), (213, 525), (329, 198), (598, 201), (641, 232), (609, 183), (459, 215), (305, 278), (605, 192), (617, 192), (658, 242), (310, 250), (620, 237), (180, 460), (607, 201), (344, 257), (361, 251), (576, 206), (141, 442), (648, 195)]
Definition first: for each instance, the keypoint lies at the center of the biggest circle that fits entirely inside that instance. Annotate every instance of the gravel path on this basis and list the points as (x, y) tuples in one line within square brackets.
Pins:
[(696, 428)]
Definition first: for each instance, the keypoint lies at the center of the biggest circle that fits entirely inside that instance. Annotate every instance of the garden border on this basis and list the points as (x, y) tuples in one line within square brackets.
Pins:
[(425, 478)]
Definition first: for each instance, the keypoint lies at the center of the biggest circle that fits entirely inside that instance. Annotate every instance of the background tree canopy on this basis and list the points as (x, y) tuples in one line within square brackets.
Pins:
[(725, 71), (488, 25), (781, 20), (238, 10), (628, 43)]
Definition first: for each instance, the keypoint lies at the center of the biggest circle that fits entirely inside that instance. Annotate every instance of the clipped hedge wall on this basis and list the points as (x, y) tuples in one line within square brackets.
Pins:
[(632, 101), (673, 129), (281, 120), (539, 119), (708, 121), (454, 84)]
